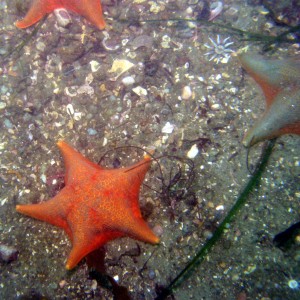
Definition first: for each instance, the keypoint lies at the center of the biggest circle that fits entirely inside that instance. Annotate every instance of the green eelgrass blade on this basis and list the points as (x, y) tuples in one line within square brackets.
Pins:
[(19, 47), (200, 256), (269, 40)]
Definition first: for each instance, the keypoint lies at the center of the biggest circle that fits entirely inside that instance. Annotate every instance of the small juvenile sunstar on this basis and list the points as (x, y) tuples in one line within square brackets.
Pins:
[(219, 50)]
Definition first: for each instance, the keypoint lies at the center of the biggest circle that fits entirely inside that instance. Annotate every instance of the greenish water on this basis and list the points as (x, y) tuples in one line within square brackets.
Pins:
[(173, 86)]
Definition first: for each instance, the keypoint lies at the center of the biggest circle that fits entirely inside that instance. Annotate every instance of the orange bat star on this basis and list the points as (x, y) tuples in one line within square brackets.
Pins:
[(90, 9), (96, 205), (280, 82)]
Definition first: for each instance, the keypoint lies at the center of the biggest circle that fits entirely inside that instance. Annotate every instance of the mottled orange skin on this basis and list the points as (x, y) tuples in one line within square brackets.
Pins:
[(90, 9), (96, 205)]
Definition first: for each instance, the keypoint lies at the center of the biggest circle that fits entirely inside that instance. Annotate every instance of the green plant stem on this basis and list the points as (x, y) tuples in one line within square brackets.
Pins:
[(200, 256), (19, 47), (247, 35)]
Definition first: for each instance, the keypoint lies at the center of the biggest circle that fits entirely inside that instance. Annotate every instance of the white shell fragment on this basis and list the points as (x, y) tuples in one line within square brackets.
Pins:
[(168, 128), (70, 109), (63, 17), (166, 42), (77, 116), (192, 153), (140, 91), (71, 112), (95, 66), (186, 93), (105, 44), (220, 207), (120, 66), (128, 80)]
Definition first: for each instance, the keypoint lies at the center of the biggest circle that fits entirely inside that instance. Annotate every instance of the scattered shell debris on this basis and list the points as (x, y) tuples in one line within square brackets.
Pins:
[(146, 84)]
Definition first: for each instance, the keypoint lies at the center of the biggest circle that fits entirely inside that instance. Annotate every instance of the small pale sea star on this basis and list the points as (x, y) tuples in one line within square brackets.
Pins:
[(219, 51)]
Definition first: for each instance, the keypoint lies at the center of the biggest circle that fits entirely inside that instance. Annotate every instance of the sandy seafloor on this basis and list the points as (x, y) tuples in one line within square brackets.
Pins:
[(59, 86)]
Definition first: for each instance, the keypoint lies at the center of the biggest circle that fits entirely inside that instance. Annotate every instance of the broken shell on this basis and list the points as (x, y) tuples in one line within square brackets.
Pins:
[(95, 66), (106, 46), (70, 109), (192, 153), (69, 93), (140, 91), (77, 116), (120, 66), (63, 17), (186, 93), (168, 128), (215, 9), (166, 42)]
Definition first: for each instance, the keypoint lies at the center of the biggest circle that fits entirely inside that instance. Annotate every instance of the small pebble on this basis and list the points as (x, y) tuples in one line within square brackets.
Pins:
[(94, 285), (158, 230), (207, 234), (52, 286), (215, 106), (62, 283), (8, 253), (3, 89), (8, 123), (152, 274), (43, 178), (129, 80), (91, 131), (142, 41), (41, 46)]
